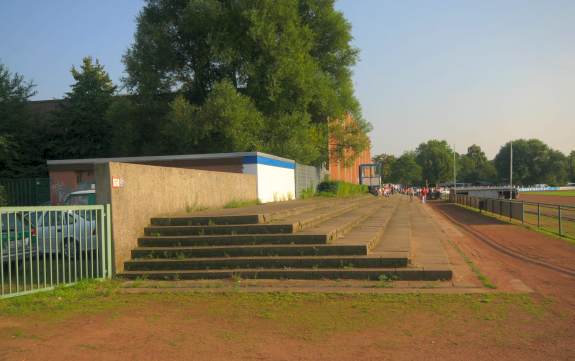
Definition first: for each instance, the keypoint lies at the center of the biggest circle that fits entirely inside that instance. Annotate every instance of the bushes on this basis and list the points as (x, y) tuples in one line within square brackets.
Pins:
[(340, 189), (307, 193)]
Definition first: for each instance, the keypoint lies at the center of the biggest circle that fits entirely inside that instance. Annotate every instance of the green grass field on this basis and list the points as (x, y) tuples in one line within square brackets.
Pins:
[(554, 193)]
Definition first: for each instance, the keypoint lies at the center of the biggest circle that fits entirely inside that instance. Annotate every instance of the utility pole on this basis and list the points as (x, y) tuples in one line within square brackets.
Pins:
[(511, 171), (454, 174)]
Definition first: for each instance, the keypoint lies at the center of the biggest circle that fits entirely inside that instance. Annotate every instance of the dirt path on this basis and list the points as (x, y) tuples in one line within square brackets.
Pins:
[(483, 239), (234, 326)]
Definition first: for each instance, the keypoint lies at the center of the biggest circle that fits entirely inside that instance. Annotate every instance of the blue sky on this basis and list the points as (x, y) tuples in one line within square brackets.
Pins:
[(468, 72)]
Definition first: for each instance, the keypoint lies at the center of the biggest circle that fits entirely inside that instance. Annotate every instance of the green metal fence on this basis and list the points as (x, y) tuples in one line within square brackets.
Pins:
[(26, 191), (44, 247), (554, 218)]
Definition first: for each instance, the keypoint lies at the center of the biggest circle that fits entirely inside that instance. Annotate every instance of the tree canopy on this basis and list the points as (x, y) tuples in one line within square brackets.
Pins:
[(533, 163), (291, 60), (474, 167), (405, 170), (20, 152), (435, 158), (385, 163), (83, 131)]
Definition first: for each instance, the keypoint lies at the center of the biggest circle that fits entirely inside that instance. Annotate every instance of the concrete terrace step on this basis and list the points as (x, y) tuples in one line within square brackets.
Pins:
[(248, 251), (245, 215), (289, 224), (220, 229), (337, 227), (369, 232), (309, 262), (232, 240), (396, 236), (208, 220), (400, 274), (329, 210)]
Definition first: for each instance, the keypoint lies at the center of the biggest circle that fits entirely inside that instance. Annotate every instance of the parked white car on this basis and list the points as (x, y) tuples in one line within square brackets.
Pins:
[(65, 231)]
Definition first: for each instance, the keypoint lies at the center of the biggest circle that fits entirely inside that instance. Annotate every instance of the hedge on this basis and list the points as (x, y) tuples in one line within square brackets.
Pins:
[(340, 189)]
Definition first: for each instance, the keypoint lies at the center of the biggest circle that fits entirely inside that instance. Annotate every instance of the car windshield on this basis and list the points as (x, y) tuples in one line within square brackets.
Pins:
[(78, 199)]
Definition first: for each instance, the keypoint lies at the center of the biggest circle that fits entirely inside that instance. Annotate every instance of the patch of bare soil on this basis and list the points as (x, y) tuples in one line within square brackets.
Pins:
[(195, 330), (480, 231)]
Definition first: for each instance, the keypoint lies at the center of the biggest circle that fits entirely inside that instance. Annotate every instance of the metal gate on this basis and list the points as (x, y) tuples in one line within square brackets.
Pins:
[(44, 247)]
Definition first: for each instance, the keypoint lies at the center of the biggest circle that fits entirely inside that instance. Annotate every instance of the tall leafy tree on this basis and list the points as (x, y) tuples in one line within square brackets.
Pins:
[(81, 123), (228, 121), (124, 115), (19, 149), (533, 163), (474, 167), (291, 58), (405, 170), (385, 163), (435, 158)]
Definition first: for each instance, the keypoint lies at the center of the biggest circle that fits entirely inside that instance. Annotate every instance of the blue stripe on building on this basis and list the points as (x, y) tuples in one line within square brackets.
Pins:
[(256, 159)]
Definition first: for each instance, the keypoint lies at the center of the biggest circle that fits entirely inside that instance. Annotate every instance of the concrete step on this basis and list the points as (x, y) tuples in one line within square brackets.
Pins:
[(232, 240), (336, 227), (396, 235), (247, 215), (220, 229), (289, 224), (371, 228), (319, 215), (249, 251), (400, 274), (208, 220), (310, 262)]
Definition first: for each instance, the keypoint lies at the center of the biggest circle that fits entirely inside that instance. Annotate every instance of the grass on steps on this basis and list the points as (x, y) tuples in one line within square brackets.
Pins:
[(242, 203)]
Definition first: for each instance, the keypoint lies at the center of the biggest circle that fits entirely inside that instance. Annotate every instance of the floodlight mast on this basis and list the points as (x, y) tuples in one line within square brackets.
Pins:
[(454, 175), (511, 171)]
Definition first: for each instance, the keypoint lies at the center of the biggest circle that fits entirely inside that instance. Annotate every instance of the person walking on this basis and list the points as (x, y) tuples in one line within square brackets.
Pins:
[(424, 192)]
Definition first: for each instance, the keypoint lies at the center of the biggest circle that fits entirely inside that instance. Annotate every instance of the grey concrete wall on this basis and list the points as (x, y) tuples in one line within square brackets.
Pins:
[(150, 191), (307, 176)]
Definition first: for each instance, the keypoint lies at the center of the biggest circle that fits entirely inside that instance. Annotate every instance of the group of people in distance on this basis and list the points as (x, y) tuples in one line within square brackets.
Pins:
[(422, 193), (388, 190), (385, 191)]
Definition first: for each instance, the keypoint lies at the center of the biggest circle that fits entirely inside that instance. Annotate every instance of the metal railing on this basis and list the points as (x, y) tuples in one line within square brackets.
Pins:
[(554, 218), (44, 247)]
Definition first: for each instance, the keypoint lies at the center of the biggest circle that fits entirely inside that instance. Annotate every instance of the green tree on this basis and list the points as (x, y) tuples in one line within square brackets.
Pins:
[(123, 115), (405, 170), (291, 58), (83, 129), (227, 122), (19, 150), (385, 163), (474, 167), (435, 158), (348, 139), (8, 156), (533, 163)]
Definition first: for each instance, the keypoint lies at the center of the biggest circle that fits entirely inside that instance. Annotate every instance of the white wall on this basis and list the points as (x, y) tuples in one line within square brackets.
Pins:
[(273, 183)]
